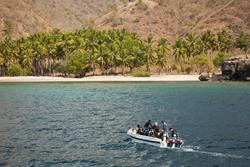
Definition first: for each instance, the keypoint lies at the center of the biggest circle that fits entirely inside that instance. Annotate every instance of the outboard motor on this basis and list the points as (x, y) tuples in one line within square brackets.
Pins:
[(178, 143)]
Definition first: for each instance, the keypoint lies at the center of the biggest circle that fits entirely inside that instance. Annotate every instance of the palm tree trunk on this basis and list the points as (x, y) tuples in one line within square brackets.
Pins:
[(148, 65), (52, 66), (159, 70), (93, 68), (4, 69), (123, 66), (115, 66)]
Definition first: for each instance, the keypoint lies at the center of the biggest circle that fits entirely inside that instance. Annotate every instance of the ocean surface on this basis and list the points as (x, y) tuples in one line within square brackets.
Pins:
[(85, 124)]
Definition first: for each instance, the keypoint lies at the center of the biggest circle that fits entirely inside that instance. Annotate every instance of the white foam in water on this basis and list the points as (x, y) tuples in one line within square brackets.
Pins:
[(196, 150)]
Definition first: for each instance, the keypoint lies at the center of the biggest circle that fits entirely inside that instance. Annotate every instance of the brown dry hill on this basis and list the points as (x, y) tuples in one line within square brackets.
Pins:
[(162, 18), (174, 18), (31, 16)]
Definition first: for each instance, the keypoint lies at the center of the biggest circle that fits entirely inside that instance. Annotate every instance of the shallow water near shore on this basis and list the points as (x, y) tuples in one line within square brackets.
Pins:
[(85, 124)]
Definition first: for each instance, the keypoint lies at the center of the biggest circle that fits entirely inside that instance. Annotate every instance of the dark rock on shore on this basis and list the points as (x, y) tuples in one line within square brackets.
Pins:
[(236, 68), (204, 77)]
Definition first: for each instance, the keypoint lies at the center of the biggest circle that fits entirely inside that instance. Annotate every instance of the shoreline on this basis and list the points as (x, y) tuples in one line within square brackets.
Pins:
[(111, 78)]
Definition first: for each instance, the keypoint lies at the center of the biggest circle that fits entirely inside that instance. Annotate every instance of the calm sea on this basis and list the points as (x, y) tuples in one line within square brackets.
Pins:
[(85, 124)]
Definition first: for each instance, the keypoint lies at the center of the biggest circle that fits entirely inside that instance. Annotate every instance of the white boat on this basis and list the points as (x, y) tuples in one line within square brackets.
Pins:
[(166, 142)]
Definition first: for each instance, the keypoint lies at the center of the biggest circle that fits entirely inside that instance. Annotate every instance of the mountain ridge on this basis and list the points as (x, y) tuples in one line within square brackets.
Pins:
[(162, 18)]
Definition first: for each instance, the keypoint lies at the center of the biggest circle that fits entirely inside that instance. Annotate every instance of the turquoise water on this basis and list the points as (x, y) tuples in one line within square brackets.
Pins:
[(85, 124)]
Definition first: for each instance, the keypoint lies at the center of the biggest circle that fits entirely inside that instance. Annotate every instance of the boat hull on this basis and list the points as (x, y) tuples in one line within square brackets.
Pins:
[(171, 143)]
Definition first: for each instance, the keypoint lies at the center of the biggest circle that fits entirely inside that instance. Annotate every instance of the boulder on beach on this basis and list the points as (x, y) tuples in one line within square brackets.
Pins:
[(204, 77), (236, 68)]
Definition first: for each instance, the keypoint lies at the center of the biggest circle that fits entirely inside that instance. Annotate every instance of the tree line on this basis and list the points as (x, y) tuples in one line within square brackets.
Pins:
[(91, 51)]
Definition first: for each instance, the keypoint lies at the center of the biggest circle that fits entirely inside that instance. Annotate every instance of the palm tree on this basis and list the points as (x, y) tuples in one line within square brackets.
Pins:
[(209, 42), (78, 63), (225, 41), (120, 43), (112, 46), (192, 45), (6, 55), (133, 52), (91, 48), (1, 58), (27, 58), (162, 49), (102, 51), (149, 51), (179, 50), (242, 42)]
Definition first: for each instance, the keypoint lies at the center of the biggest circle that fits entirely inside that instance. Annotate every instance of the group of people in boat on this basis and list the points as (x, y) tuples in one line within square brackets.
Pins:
[(152, 128)]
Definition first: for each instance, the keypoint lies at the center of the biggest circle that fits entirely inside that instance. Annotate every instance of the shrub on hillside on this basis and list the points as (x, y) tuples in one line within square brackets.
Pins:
[(114, 20), (203, 62), (162, 2), (137, 20), (17, 70), (188, 70), (141, 5), (220, 58)]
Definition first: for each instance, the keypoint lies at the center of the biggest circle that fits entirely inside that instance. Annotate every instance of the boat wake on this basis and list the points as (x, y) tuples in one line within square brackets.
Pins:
[(215, 154), (196, 149)]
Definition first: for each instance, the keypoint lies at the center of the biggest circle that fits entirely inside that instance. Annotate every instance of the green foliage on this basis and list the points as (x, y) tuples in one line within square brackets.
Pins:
[(225, 41), (83, 51), (25, 71), (78, 64), (242, 42), (221, 56), (149, 51), (188, 70), (161, 54), (176, 67), (140, 74), (1, 60), (203, 63), (209, 42), (17, 70), (61, 68), (192, 45), (203, 60)]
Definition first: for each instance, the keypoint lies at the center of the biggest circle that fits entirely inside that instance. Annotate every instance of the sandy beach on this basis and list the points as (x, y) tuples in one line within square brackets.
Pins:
[(119, 78)]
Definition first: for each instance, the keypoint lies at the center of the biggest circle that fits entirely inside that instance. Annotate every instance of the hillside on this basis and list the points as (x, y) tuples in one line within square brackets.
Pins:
[(30, 16), (174, 18), (167, 18)]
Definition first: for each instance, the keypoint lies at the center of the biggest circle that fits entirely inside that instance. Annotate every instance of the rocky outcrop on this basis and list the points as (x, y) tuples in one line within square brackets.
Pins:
[(236, 68), (204, 77)]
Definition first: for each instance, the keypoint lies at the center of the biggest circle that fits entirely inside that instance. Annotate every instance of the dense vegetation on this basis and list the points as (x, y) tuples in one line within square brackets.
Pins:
[(91, 51)]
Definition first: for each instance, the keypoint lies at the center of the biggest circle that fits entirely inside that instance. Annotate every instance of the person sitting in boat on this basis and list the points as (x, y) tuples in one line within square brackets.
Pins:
[(164, 126), (147, 127), (156, 129), (173, 132), (139, 130)]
